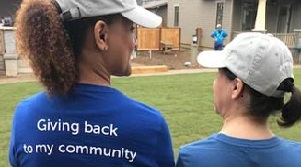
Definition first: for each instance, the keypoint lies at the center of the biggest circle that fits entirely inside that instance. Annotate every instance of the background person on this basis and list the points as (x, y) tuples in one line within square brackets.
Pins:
[(219, 35)]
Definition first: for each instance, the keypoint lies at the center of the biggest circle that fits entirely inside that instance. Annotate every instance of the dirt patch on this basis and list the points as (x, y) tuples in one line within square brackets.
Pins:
[(175, 60)]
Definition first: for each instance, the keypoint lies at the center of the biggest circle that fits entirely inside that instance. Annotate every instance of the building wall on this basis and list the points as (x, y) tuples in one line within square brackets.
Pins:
[(296, 23), (161, 11), (9, 7), (227, 19), (271, 17), (12, 61), (236, 23), (199, 13), (273, 14)]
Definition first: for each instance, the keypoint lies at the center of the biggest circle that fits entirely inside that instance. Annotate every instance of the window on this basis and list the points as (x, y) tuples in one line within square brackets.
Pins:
[(284, 18), (219, 13), (249, 12), (177, 12)]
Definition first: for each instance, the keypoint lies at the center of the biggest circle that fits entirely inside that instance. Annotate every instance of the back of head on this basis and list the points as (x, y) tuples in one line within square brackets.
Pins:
[(219, 26), (265, 65), (51, 34), (41, 38)]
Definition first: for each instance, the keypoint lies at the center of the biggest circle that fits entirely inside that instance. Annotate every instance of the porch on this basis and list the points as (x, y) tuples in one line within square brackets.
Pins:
[(277, 16)]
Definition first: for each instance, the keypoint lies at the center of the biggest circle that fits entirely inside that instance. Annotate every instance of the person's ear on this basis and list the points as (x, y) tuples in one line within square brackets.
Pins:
[(101, 35), (238, 89)]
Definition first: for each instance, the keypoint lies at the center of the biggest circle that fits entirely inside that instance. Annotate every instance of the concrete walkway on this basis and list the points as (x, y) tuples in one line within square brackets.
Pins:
[(31, 78)]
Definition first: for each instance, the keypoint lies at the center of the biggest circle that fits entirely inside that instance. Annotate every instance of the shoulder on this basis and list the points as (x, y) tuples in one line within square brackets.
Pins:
[(291, 145), (29, 104), (198, 152), (27, 110), (199, 146), (141, 108)]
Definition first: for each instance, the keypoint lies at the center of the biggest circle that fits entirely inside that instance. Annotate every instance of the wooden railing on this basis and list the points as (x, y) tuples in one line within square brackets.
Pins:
[(289, 39)]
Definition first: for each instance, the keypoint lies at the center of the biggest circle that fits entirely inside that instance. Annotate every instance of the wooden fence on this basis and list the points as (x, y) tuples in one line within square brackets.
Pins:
[(150, 39)]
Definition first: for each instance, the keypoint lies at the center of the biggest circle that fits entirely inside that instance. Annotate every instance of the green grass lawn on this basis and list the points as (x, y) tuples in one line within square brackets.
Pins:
[(185, 100)]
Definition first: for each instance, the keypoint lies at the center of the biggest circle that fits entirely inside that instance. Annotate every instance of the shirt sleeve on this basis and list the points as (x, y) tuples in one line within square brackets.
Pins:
[(225, 34), (165, 157), (180, 162), (12, 147), (184, 158)]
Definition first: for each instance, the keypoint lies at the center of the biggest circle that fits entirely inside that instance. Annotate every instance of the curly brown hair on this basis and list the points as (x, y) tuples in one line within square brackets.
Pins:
[(42, 38)]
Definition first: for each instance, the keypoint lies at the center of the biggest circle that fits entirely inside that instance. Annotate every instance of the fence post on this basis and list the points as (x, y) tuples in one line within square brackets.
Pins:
[(194, 49), (199, 34)]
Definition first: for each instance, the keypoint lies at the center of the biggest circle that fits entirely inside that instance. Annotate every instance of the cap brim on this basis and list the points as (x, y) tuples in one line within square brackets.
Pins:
[(212, 59), (143, 17)]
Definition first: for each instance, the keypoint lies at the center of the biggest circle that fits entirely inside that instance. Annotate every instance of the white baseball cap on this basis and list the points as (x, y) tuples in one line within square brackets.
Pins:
[(261, 61), (218, 26), (75, 9)]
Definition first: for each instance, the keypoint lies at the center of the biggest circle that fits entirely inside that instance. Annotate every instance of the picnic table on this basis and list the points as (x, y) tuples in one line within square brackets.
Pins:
[(166, 46)]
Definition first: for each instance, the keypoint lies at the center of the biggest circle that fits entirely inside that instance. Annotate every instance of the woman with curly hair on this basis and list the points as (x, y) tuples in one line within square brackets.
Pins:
[(74, 47)]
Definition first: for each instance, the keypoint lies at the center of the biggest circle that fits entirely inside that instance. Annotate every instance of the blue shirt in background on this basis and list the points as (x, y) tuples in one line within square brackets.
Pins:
[(219, 36)]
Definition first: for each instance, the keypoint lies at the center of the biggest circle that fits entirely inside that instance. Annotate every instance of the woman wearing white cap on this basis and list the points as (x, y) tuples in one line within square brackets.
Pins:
[(255, 72), (74, 46)]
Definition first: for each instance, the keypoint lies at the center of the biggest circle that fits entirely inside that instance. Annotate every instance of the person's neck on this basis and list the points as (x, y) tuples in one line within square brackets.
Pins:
[(96, 77), (245, 127)]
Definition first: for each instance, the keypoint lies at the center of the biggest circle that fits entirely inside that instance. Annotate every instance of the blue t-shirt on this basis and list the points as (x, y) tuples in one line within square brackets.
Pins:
[(93, 126), (220, 150), (219, 36)]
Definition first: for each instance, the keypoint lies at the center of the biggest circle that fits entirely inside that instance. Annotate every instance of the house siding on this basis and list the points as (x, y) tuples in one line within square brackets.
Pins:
[(199, 13), (161, 11), (236, 24), (273, 13), (271, 17)]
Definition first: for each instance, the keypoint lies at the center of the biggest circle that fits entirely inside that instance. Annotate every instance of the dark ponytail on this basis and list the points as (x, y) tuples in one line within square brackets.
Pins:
[(291, 111), (262, 106), (41, 38)]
